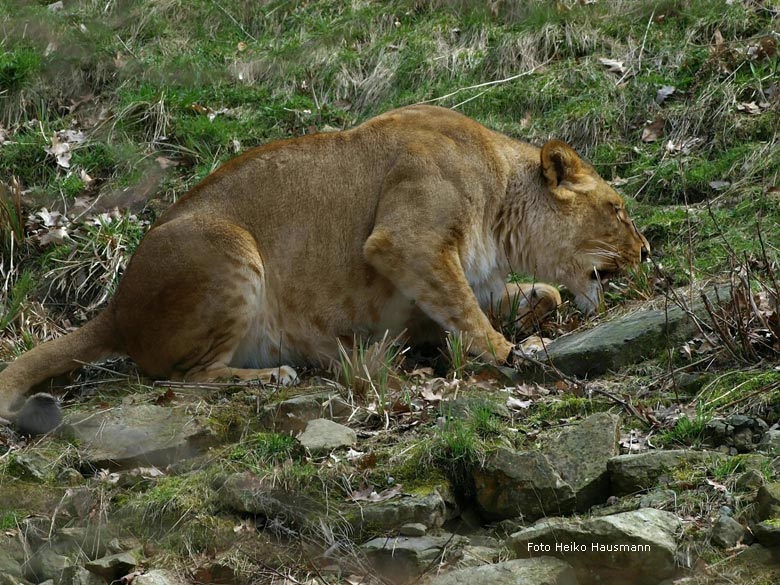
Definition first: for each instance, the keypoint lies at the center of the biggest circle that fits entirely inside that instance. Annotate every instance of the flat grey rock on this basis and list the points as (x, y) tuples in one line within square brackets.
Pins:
[(322, 434), (640, 471), (112, 567), (626, 339), (637, 547), (536, 571), (404, 557), (129, 436), (385, 517), (413, 529)]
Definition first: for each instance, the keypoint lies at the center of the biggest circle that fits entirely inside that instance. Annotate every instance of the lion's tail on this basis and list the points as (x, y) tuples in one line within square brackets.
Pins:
[(94, 341)]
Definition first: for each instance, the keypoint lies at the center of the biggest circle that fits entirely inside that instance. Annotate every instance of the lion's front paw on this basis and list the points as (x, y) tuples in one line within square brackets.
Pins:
[(531, 348)]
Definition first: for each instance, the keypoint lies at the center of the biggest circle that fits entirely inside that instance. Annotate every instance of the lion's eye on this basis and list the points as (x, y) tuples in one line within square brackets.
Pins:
[(620, 211)]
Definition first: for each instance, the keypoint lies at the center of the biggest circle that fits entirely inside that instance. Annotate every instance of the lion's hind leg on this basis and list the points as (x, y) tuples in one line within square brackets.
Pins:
[(192, 305)]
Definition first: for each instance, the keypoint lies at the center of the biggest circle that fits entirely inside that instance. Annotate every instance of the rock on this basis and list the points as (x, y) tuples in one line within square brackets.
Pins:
[(12, 556), (637, 472), (291, 416), (413, 529), (512, 484), (767, 533), (476, 556), (625, 340), (768, 501), (658, 499), (113, 567), (89, 541), (726, 532), (47, 564), (463, 407), (158, 577), (738, 433), (83, 577), (8, 579), (749, 481), (130, 436), (635, 547), (31, 466), (536, 571), (404, 557), (322, 434), (79, 502), (757, 554), (245, 493), (36, 530), (580, 453), (384, 517), (770, 443)]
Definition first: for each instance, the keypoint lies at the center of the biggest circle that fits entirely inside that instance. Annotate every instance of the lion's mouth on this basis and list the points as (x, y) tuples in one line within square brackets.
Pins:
[(604, 275)]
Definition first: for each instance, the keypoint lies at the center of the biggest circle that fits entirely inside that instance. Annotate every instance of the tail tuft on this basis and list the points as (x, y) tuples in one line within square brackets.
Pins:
[(40, 414)]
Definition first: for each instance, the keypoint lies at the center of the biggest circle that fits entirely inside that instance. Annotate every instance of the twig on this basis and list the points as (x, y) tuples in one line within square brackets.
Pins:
[(208, 385), (486, 84), (238, 24), (768, 387), (644, 40)]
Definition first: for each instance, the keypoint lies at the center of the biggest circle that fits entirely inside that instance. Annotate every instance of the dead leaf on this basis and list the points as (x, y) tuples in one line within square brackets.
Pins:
[(241, 46), (718, 486), (663, 93), (165, 398), (683, 147), (720, 185), (85, 178), (421, 373), (165, 162), (432, 395), (751, 108), (654, 130), (517, 404), (60, 150), (198, 109), (368, 494), (55, 235), (613, 65)]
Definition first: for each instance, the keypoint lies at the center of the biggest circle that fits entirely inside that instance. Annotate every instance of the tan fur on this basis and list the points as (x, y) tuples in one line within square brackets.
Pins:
[(410, 221)]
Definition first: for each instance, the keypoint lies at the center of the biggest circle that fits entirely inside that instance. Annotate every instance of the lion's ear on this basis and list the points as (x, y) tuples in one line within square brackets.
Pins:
[(562, 167)]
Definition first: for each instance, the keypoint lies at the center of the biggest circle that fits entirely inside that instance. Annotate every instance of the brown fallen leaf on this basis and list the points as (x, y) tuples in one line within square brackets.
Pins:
[(654, 130), (368, 494), (613, 65)]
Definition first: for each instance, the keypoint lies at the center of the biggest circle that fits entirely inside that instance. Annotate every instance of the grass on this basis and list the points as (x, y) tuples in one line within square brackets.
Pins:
[(687, 431)]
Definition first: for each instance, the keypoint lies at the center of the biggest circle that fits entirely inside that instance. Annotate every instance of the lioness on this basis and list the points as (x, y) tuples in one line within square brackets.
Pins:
[(412, 220)]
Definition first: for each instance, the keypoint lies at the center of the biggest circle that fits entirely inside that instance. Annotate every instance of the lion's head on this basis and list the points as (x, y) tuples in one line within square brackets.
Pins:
[(590, 236)]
